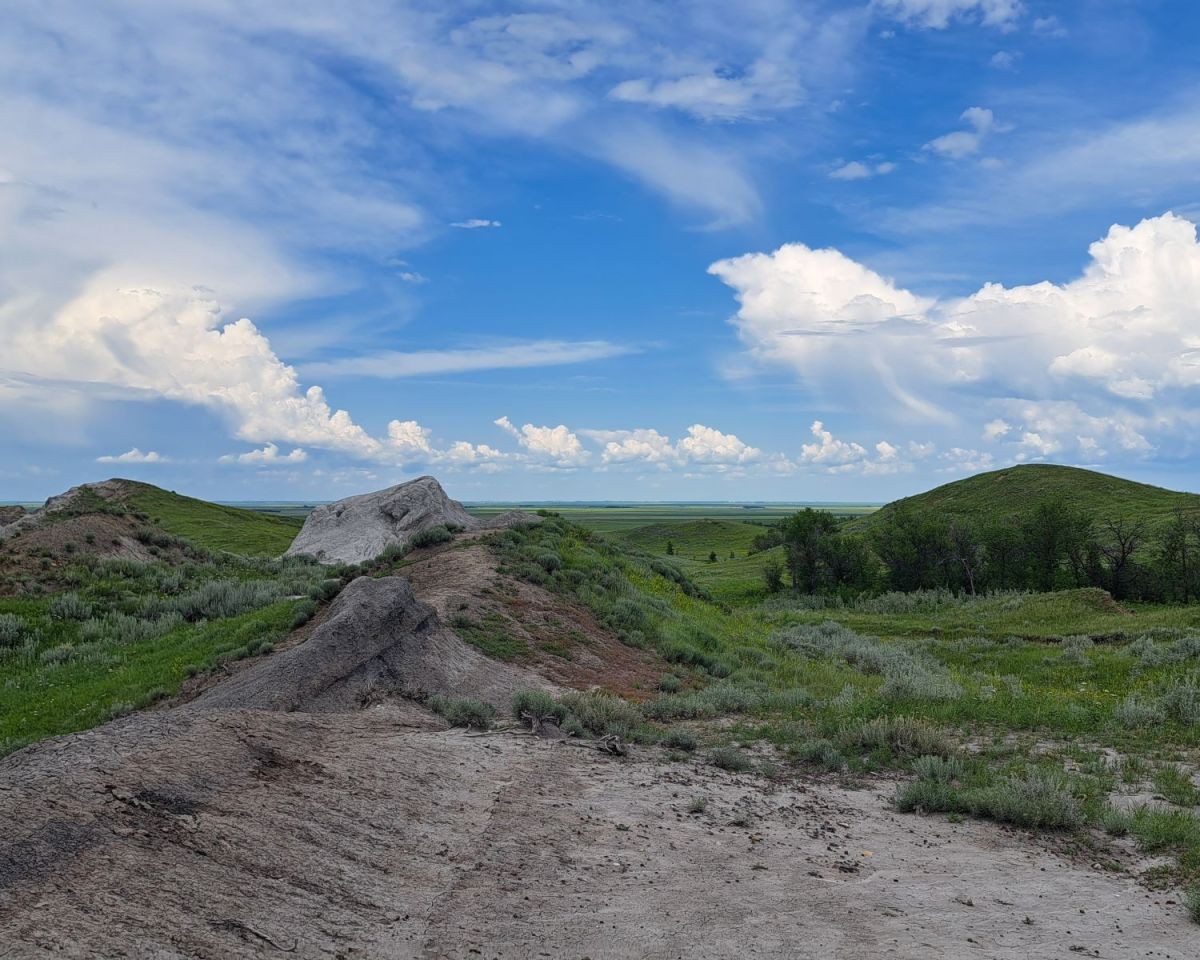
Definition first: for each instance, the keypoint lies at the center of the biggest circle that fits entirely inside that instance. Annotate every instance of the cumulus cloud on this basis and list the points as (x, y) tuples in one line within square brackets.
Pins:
[(134, 455), (708, 445), (702, 445), (554, 445), (964, 143), (994, 429), (1059, 361), (638, 445), (475, 223), (834, 455), (938, 14), (830, 451), (857, 170), (266, 456), (177, 344)]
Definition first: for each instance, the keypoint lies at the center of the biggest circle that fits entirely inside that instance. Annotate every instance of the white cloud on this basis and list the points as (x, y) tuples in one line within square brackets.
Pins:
[(1049, 26), (1136, 162), (174, 343), (408, 444), (702, 445), (846, 456), (556, 445), (475, 223), (707, 445), (964, 460), (685, 170), (266, 456), (857, 170), (995, 429), (398, 363), (640, 445), (938, 14), (964, 143), (134, 455), (770, 84), (829, 451), (1124, 332), (1004, 59)]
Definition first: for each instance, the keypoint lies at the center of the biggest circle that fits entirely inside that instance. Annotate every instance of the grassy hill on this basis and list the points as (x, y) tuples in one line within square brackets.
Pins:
[(1004, 494), (212, 525), (730, 579)]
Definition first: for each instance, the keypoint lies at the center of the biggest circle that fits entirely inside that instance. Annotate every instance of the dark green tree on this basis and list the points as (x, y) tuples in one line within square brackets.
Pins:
[(804, 544), (915, 548)]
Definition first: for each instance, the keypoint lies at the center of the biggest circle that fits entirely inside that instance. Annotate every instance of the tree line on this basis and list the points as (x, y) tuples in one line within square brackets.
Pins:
[(1055, 545)]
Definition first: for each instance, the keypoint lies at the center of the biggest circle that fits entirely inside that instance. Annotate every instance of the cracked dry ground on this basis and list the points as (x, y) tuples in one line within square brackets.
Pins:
[(379, 834)]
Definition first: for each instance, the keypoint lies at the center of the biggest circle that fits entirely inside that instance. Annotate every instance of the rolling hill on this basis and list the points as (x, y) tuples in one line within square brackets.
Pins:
[(212, 525), (1004, 494)]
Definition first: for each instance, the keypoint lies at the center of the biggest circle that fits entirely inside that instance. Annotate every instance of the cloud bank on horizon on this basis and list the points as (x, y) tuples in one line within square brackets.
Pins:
[(424, 221)]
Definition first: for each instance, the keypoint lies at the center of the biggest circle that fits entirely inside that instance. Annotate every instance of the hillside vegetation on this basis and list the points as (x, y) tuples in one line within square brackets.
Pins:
[(211, 525), (1009, 494)]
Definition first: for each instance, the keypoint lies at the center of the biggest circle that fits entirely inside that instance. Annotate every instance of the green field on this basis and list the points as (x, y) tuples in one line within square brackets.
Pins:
[(626, 516)]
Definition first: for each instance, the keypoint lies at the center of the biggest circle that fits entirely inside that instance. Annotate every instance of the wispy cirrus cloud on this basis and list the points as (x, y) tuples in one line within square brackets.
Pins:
[(399, 363)]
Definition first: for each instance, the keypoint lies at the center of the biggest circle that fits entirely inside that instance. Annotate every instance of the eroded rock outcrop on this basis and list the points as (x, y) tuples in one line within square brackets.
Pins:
[(379, 641), (361, 527)]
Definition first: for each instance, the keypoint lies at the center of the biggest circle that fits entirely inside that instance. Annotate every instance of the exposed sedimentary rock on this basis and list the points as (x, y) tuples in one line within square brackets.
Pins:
[(362, 527)]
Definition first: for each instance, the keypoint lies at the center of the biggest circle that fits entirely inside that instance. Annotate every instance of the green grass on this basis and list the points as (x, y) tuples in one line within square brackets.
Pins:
[(231, 529), (1036, 616), (42, 699), (1004, 494), (735, 577), (127, 634), (491, 636)]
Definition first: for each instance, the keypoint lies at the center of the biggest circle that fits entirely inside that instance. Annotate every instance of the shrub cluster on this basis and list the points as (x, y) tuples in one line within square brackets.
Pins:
[(907, 675)]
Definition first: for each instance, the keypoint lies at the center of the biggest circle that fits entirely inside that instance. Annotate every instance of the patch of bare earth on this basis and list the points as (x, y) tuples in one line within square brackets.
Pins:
[(42, 552), (371, 834), (561, 639)]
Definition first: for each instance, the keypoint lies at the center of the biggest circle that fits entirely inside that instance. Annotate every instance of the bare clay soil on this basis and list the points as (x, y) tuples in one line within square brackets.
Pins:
[(378, 834)]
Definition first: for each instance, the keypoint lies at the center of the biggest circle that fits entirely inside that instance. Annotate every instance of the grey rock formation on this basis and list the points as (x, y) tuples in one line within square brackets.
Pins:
[(360, 528), (11, 515), (378, 641)]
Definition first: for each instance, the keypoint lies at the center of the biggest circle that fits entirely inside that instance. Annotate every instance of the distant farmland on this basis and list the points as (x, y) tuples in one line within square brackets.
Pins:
[(619, 516)]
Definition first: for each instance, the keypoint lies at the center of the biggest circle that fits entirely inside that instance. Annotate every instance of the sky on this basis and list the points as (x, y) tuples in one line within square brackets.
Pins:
[(571, 250)]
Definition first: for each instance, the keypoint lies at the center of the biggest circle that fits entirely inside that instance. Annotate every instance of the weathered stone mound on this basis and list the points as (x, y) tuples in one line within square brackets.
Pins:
[(83, 499), (378, 642), (362, 527)]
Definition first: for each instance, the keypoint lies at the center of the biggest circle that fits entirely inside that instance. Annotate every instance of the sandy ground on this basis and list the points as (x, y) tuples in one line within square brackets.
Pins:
[(376, 834)]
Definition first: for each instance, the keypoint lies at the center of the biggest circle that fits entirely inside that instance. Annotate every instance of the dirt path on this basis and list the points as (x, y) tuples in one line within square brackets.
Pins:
[(375, 834)]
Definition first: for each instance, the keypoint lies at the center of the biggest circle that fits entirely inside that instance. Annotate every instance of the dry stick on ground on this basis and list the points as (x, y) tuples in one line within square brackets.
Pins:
[(543, 727)]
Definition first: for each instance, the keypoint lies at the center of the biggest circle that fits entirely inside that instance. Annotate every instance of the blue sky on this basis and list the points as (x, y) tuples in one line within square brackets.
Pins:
[(571, 250)]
